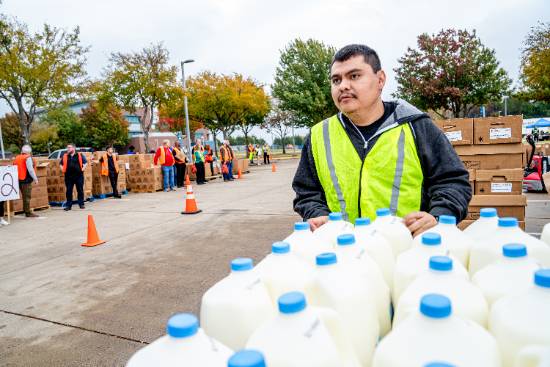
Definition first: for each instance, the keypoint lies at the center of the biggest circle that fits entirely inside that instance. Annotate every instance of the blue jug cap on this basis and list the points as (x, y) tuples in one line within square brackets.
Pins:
[(431, 239), (514, 250), (292, 302), (345, 239), (542, 278), (280, 248), (247, 358), (435, 306), (182, 325), (327, 258), (241, 264), (488, 212), (301, 226), (447, 219), (362, 221), (383, 212), (335, 216), (508, 222), (441, 263)]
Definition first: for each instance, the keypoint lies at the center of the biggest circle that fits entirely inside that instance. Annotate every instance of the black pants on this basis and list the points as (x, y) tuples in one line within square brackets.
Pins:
[(2, 213), (266, 158), (180, 174), (200, 172), (70, 182), (212, 168), (113, 177)]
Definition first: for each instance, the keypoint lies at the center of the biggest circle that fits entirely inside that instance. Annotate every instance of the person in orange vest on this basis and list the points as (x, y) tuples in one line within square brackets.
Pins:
[(25, 169), (109, 167), (165, 158), (227, 156), (73, 165)]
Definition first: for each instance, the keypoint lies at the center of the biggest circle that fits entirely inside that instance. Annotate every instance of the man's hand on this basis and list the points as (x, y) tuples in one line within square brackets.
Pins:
[(418, 222), (315, 223)]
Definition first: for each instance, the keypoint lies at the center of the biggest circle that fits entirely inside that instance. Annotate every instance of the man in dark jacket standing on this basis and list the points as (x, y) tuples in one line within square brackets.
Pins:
[(73, 165), (376, 154)]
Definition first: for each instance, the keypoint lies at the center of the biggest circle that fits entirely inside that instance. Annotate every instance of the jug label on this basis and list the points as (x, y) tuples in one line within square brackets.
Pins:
[(213, 345), (253, 284), (500, 133), (309, 332), (454, 135), (360, 254), (501, 187)]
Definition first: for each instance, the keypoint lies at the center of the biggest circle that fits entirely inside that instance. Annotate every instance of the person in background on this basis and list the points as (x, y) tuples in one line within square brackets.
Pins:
[(27, 175), (198, 155), (209, 157), (3, 222), (267, 153), (251, 153), (73, 165), (259, 153), (164, 157), (181, 160), (109, 167), (226, 156), (131, 150)]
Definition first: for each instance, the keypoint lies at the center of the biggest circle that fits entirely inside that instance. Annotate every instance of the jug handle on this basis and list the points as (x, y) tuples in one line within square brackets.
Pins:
[(533, 356), (333, 322)]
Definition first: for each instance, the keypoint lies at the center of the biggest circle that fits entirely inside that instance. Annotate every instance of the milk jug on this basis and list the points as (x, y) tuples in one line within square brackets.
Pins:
[(545, 235), (416, 260), (356, 259), (484, 225), (378, 248), (301, 336), (235, 306), (437, 334), (246, 358), (468, 301), (391, 227), (452, 238), (340, 289), (305, 245), (185, 345), (335, 226), (522, 319), (283, 272), (533, 356), (511, 274), (489, 250), (438, 364)]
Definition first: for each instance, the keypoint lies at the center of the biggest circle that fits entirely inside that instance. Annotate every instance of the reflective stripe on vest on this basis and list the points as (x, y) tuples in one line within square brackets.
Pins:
[(389, 177)]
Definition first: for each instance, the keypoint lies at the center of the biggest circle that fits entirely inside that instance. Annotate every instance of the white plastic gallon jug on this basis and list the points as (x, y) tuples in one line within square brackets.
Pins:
[(545, 235), (185, 345), (533, 356), (282, 272), (356, 259), (489, 250), (235, 306), (301, 336), (339, 288), (522, 319), (391, 227), (305, 245), (468, 301), (452, 238), (378, 248), (484, 225), (335, 226), (436, 334), (247, 358), (513, 273), (416, 260), (438, 364)]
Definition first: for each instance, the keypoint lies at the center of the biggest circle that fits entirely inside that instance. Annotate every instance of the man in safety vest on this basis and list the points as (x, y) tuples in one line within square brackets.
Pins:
[(109, 167), (376, 154), (27, 175), (73, 165), (226, 157)]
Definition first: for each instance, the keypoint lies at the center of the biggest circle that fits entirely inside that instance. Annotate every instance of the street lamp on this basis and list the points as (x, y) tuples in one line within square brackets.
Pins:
[(187, 131), (505, 105)]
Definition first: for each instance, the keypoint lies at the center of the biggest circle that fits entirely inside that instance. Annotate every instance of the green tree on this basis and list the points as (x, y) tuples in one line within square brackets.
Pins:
[(141, 80), (240, 140), (535, 64), (44, 138), (38, 70), (280, 123), (11, 132), (302, 83), (450, 71), (69, 127), (105, 125)]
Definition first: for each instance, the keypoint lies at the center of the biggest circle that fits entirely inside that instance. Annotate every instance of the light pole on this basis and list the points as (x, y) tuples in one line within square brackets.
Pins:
[(2, 143), (505, 105), (187, 131)]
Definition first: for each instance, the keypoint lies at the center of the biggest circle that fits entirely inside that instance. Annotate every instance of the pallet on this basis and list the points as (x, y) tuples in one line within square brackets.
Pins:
[(108, 195), (38, 208), (135, 191)]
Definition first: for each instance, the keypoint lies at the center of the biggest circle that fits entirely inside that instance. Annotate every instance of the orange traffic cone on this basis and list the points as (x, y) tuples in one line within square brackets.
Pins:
[(273, 167), (240, 174), (187, 181), (190, 203), (93, 237)]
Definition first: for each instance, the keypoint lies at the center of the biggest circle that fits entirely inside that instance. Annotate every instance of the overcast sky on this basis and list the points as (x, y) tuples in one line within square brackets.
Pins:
[(245, 36)]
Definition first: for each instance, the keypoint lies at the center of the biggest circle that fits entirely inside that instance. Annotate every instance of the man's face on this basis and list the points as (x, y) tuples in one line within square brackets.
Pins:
[(70, 149), (110, 150), (354, 85)]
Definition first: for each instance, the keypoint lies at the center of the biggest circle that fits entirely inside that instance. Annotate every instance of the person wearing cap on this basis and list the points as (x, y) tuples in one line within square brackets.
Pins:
[(374, 154), (26, 171)]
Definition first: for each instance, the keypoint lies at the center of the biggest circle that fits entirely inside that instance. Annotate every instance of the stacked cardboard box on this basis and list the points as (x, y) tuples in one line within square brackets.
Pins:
[(142, 175), (491, 150), (56, 181), (39, 194), (101, 185)]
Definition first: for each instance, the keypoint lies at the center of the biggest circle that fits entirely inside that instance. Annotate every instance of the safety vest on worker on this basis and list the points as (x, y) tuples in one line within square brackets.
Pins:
[(105, 164), (65, 161), (390, 176), (21, 162)]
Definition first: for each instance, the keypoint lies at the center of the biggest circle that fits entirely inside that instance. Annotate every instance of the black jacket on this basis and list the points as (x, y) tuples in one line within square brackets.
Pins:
[(445, 190)]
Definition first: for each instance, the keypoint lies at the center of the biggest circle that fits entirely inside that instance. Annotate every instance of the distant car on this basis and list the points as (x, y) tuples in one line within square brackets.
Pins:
[(7, 154), (60, 152)]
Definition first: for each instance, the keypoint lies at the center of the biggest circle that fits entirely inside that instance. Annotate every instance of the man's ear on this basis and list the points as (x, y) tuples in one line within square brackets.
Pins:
[(381, 80)]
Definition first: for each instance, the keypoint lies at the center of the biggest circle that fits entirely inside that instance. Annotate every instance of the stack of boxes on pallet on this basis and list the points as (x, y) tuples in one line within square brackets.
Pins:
[(56, 181), (39, 194), (143, 176), (101, 185), (491, 150)]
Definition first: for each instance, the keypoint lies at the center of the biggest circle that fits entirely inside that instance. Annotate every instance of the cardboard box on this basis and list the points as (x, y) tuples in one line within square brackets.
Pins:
[(506, 205), (472, 178), (498, 130), (466, 222), (492, 162), (499, 182), (458, 131)]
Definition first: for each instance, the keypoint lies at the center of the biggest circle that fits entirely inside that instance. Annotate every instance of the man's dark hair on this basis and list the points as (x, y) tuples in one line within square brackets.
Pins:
[(349, 51)]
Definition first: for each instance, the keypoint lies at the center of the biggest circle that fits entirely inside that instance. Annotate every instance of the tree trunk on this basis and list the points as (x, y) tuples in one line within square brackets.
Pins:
[(23, 123)]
